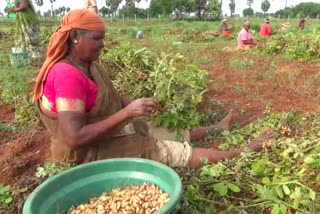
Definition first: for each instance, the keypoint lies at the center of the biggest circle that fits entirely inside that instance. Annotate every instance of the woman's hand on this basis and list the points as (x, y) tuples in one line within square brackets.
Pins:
[(140, 107), (11, 10)]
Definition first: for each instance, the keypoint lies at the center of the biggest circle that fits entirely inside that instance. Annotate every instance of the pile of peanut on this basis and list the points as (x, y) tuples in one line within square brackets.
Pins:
[(140, 199)]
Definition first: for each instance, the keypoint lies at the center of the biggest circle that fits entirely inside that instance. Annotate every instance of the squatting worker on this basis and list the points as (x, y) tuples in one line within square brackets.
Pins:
[(245, 40), (265, 28), (301, 24), (224, 27), (91, 5), (86, 117)]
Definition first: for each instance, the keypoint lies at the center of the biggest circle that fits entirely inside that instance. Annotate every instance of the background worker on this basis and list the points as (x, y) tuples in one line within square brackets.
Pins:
[(245, 40), (27, 27), (301, 24), (224, 26), (265, 29), (91, 5)]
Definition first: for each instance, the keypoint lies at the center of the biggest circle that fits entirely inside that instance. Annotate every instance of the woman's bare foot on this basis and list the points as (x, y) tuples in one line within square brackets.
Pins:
[(225, 123), (203, 132), (257, 143)]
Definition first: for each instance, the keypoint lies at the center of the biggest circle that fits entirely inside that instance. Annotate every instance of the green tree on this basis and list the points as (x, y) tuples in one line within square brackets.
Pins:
[(232, 6), (249, 3), (178, 7), (300, 15), (201, 7), (68, 9), (104, 11), (265, 5), (208, 8), (156, 8), (306, 9), (214, 10), (181, 7), (129, 10), (248, 12), (113, 6)]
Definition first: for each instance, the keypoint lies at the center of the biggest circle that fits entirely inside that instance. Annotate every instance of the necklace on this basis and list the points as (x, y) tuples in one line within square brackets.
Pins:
[(85, 71)]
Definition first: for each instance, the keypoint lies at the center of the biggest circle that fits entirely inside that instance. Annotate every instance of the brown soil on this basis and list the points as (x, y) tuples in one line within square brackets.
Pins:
[(6, 112), (257, 92), (21, 152)]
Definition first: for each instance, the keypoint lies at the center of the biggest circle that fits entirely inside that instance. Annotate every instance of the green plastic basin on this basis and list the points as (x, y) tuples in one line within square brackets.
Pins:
[(79, 184)]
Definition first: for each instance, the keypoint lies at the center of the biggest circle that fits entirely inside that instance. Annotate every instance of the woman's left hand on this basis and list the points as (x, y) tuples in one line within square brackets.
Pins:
[(12, 10)]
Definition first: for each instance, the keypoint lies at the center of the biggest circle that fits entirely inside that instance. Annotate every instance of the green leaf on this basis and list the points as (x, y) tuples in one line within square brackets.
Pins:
[(8, 200), (309, 159), (275, 210), (204, 160), (6, 188), (23, 190), (286, 189), (233, 187), (258, 168), (312, 195), (283, 208), (279, 192), (221, 188), (297, 191), (305, 202), (265, 180)]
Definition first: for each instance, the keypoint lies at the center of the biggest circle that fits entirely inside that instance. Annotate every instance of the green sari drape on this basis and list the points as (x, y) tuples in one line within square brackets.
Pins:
[(27, 30)]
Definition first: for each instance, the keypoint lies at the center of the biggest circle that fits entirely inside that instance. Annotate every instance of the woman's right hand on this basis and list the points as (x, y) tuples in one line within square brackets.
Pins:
[(140, 107)]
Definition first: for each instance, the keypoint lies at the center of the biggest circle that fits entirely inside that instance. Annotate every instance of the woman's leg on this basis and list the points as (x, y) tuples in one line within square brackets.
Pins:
[(203, 132), (215, 156)]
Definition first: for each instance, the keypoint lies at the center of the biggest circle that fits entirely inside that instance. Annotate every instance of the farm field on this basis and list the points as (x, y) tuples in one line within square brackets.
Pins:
[(275, 85)]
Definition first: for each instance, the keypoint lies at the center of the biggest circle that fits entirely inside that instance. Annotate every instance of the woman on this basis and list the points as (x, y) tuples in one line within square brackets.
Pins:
[(245, 40), (86, 117), (27, 27), (224, 28), (301, 24), (265, 29)]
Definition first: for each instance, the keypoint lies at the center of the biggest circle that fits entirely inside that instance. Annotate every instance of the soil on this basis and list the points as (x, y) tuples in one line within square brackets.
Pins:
[(258, 92), (21, 151)]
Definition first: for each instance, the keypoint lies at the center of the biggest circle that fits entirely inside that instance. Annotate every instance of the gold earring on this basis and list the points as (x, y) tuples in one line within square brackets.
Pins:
[(75, 41)]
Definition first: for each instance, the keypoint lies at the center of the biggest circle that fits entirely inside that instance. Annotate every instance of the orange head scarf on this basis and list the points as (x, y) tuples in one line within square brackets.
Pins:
[(58, 46)]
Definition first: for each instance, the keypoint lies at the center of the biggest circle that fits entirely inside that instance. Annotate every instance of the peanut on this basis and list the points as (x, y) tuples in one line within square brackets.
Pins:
[(139, 199)]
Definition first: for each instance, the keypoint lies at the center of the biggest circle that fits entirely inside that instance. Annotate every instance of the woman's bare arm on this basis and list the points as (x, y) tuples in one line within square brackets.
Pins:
[(75, 132)]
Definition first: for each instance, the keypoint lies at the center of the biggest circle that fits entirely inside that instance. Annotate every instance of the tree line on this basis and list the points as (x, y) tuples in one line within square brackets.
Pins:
[(302, 10), (179, 9)]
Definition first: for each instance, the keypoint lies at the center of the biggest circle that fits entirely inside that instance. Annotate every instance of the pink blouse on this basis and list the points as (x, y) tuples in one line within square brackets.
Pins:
[(68, 82), (243, 36)]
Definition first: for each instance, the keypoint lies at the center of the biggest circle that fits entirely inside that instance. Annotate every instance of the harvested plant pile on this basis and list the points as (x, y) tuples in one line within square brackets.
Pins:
[(298, 46), (284, 179), (140, 199), (192, 35), (179, 87)]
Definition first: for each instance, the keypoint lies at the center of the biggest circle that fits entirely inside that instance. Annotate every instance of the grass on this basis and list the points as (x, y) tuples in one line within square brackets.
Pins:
[(240, 63), (8, 127)]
